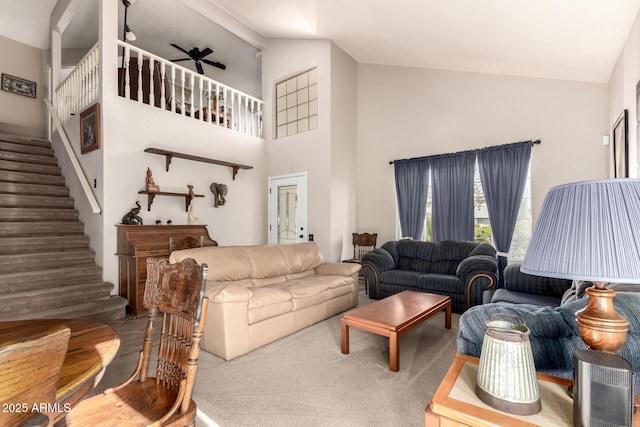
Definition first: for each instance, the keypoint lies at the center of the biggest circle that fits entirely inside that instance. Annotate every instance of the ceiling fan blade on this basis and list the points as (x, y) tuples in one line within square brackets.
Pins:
[(180, 59), (205, 52), (179, 48), (199, 67), (215, 64)]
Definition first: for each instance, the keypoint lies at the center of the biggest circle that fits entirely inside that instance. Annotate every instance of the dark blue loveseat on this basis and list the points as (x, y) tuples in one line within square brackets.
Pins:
[(462, 270)]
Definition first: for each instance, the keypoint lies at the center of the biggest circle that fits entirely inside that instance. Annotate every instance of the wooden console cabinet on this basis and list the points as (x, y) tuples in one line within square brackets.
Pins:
[(136, 243)]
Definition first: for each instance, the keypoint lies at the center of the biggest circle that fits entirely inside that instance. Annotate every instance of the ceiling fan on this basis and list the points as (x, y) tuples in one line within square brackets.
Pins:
[(198, 55)]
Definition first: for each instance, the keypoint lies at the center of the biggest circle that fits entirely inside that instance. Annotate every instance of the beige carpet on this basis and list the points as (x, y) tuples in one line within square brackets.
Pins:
[(305, 380)]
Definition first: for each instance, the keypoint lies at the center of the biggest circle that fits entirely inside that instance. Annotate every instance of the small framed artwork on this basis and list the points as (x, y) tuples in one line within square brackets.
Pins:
[(621, 147), (18, 86), (90, 129)]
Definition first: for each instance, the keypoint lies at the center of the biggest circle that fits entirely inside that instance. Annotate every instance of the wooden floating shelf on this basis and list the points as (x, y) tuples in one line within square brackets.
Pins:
[(169, 155), (151, 195)]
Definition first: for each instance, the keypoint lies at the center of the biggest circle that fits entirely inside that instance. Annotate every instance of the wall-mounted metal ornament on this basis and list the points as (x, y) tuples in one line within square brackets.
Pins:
[(132, 216), (219, 194)]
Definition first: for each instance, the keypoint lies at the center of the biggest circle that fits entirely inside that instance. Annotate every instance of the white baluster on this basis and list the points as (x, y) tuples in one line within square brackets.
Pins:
[(152, 74), (192, 86), (140, 61), (184, 110), (163, 99), (127, 82)]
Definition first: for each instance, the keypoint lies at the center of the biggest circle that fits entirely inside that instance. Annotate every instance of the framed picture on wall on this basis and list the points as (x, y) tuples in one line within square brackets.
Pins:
[(621, 147), (18, 86), (90, 129)]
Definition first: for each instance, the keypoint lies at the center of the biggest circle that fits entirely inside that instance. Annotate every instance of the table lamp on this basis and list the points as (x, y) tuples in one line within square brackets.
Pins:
[(590, 231)]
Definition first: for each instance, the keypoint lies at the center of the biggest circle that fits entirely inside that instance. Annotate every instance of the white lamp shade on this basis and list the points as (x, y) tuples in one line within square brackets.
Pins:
[(588, 230)]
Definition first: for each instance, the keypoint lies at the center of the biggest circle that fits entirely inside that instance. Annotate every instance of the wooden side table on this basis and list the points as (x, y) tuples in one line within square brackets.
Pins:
[(455, 403)]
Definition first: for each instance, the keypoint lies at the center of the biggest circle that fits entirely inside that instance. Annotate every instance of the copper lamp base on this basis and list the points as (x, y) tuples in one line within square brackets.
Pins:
[(599, 325)]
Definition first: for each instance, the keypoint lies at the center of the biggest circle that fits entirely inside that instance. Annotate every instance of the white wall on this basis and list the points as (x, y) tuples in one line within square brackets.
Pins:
[(308, 151), (622, 94), (328, 153), (344, 134), (21, 114), (410, 112)]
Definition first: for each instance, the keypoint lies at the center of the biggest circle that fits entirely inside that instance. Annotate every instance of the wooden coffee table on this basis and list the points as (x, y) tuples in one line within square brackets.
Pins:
[(393, 317)]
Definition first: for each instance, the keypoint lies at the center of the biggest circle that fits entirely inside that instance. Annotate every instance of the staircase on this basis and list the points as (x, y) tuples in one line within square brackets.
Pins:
[(47, 269)]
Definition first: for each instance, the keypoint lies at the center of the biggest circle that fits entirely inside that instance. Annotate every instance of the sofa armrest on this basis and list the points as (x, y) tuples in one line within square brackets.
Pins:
[(374, 263), (478, 273), (515, 280), (338, 268)]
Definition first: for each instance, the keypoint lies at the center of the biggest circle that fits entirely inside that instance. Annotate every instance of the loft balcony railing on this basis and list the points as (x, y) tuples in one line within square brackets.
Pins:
[(169, 86), (149, 79)]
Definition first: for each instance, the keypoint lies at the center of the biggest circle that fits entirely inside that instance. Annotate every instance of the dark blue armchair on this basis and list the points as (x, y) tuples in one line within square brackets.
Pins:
[(553, 331)]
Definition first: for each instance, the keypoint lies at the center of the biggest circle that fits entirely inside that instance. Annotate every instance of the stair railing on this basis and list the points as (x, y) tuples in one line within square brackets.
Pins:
[(84, 182), (80, 87)]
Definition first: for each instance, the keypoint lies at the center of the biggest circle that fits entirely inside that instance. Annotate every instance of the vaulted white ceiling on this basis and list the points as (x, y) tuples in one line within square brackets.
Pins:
[(561, 39)]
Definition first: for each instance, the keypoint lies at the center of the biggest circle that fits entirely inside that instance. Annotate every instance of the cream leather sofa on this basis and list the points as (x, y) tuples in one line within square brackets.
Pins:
[(258, 294)]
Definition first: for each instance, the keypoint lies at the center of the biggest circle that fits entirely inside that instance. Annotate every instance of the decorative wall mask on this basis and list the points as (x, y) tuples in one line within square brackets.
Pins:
[(219, 193)]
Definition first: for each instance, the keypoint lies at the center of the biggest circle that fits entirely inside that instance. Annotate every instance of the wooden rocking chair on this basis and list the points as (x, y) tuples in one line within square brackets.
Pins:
[(176, 291)]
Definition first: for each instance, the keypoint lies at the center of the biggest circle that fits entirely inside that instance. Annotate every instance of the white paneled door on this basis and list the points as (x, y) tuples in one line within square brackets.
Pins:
[(288, 209)]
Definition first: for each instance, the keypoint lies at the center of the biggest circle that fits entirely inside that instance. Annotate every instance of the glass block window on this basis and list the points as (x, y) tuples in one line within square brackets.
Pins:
[(297, 104)]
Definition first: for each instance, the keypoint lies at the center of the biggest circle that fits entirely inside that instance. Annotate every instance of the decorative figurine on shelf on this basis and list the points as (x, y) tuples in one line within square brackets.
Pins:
[(151, 186), (219, 193), (132, 216), (190, 188), (191, 216)]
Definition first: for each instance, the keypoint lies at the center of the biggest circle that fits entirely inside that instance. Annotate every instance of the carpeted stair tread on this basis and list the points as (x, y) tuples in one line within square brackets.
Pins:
[(21, 201), (13, 245), (33, 189), (105, 309), (31, 178), (29, 167), (39, 229), (29, 214), (15, 147), (46, 260), (26, 140), (42, 279), (47, 299), (28, 158)]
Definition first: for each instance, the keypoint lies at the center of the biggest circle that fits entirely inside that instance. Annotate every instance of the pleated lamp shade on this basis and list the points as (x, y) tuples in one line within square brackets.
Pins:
[(588, 230), (591, 231)]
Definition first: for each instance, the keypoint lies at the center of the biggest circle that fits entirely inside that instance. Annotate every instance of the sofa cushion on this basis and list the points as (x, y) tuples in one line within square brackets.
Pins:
[(441, 282), (400, 277), (266, 296), (227, 263), (268, 302), (513, 297)]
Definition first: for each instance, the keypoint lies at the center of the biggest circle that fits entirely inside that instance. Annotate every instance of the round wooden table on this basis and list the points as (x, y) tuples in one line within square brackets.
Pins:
[(92, 346)]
